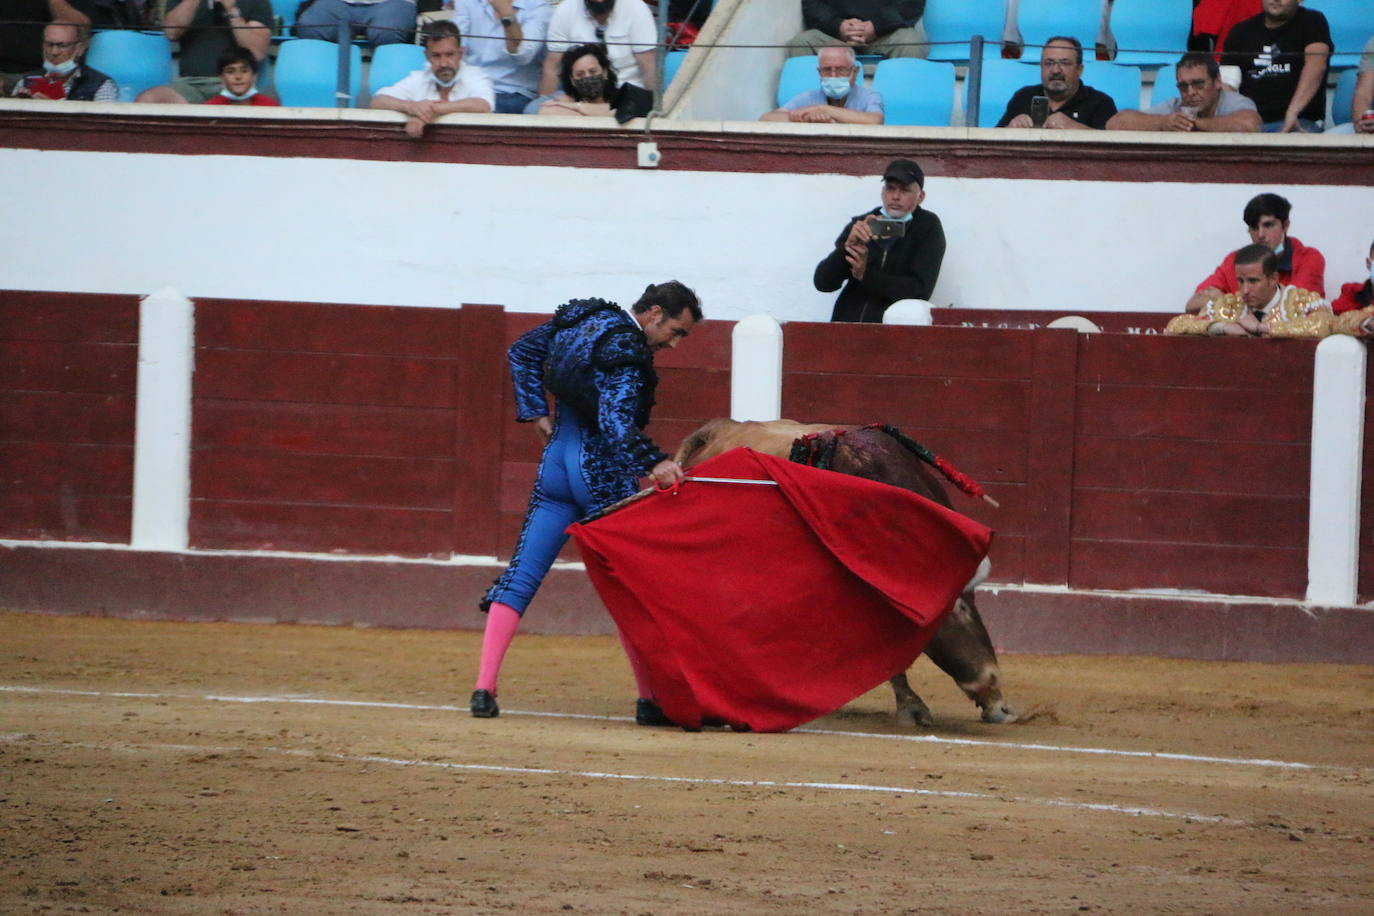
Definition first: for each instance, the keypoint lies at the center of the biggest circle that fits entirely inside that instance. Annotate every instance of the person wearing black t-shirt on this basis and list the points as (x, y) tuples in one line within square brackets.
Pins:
[(1072, 105), (1282, 54)]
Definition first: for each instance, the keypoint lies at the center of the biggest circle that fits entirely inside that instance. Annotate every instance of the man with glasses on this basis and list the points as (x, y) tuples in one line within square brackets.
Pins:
[(1070, 105), (64, 74), (625, 27), (841, 98), (1203, 103)]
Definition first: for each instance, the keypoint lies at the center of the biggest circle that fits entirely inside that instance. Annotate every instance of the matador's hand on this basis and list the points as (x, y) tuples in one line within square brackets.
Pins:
[(666, 473)]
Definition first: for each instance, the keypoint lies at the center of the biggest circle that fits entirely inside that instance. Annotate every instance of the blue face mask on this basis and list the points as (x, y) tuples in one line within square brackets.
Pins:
[(905, 217), (835, 87), (238, 98), (1371, 273), (62, 69), (444, 84)]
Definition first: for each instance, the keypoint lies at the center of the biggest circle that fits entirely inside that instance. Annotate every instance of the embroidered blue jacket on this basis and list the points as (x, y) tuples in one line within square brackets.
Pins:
[(594, 359)]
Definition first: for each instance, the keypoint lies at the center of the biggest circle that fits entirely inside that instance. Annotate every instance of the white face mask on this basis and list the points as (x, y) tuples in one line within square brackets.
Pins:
[(1371, 272), (63, 69), (239, 98)]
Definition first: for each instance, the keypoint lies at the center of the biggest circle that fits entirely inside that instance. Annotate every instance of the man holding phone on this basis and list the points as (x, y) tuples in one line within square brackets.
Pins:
[(892, 252), (1060, 101)]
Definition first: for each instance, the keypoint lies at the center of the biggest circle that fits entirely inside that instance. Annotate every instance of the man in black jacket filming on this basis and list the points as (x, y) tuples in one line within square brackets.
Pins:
[(892, 252)]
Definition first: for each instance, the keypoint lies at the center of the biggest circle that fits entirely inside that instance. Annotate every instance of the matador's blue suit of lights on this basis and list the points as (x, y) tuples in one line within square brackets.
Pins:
[(595, 360)]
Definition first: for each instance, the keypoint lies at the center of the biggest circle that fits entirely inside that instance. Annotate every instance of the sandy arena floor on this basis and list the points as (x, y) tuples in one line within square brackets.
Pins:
[(219, 768)]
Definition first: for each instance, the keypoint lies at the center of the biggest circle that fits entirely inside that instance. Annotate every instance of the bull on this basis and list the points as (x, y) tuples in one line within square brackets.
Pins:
[(960, 647)]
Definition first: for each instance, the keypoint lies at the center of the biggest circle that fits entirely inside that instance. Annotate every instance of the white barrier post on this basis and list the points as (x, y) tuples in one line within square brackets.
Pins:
[(756, 369), (162, 422), (1333, 526), (909, 311)]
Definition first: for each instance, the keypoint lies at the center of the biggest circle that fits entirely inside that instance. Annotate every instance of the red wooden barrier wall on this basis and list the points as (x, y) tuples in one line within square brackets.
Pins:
[(68, 378), (1120, 461), (375, 430)]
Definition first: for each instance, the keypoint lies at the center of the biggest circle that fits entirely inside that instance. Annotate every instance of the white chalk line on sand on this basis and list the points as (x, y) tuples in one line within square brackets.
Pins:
[(1131, 810), (877, 736)]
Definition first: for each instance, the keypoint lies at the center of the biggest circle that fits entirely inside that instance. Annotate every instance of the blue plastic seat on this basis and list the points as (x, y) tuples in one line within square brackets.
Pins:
[(1001, 79), (1151, 33), (915, 91), (1343, 97), (393, 63), (672, 61), (798, 75), (1165, 85), (1040, 20), (1351, 23), (307, 73), (1121, 83), (134, 60), (956, 21)]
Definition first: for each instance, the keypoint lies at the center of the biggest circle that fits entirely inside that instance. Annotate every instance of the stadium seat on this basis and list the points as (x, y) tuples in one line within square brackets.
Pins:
[(1151, 33), (915, 91), (1165, 85), (798, 75), (134, 60), (1343, 97), (1121, 83), (957, 21), (1351, 23), (307, 73), (671, 62), (393, 63), (1001, 79), (1040, 20)]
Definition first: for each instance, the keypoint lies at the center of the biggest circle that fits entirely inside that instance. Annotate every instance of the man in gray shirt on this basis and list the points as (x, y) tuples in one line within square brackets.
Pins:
[(1203, 103)]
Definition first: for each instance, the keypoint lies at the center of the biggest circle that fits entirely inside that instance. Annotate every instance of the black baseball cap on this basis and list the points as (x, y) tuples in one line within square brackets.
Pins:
[(904, 171)]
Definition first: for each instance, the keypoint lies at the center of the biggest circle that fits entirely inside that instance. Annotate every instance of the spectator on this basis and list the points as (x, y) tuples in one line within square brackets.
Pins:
[(386, 21), (206, 30), (1266, 217), (1282, 54), (512, 61), (444, 87), (64, 74), (238, 71), (1362, 106), (1354, 307), (875, 271), (1203, 103), (888, 28), (590, 88), (21, 34), (625, 27), (1072, 105), (1262, 307), (841, 99)]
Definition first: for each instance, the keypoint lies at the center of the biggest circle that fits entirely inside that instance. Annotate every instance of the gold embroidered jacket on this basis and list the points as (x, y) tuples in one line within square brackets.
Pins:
[(1297, 313)]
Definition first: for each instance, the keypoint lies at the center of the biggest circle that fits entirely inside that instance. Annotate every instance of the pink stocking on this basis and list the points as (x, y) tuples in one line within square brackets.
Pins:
[(502, 622)]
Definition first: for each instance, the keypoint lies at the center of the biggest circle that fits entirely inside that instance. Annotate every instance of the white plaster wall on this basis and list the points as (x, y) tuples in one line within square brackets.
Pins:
[(532, 237)]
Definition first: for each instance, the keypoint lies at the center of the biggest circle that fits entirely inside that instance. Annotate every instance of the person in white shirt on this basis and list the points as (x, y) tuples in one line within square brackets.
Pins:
[(506, 39), (444, 87), (625, 27)]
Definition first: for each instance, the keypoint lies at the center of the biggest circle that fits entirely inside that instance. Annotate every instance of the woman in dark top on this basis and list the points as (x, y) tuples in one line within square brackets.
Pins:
[(590, 89)]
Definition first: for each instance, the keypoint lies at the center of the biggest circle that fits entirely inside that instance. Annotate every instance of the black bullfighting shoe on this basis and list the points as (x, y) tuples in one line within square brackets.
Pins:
[(647, 712), (483, 705)]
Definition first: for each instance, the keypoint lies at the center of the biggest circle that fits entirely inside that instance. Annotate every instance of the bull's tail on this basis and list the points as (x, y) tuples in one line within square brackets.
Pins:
[(961, 480)]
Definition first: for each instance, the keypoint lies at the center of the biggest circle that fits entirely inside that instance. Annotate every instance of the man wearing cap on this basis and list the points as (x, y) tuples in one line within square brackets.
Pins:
[(877, 265)]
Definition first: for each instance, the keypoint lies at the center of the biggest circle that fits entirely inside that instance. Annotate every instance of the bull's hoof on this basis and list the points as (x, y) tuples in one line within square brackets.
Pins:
[(1001, 714), (483, 705), (915, 716)]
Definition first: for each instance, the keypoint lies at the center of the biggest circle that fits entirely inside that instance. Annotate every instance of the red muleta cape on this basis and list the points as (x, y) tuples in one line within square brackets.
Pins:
[(763, 607)]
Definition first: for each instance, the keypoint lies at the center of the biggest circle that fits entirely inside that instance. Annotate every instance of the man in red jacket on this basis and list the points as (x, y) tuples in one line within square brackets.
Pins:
[(1266, 216)]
